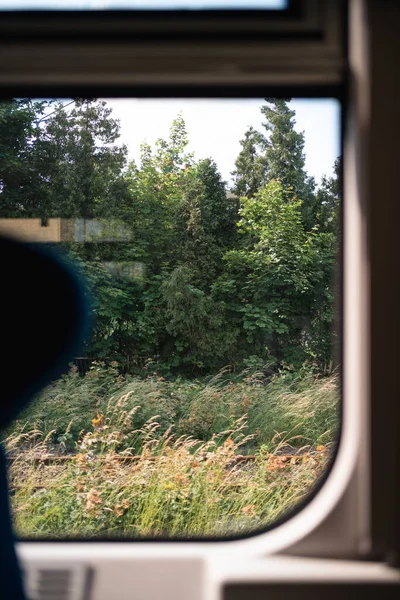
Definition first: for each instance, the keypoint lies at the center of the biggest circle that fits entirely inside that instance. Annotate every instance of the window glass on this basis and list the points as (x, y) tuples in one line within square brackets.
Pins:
[(206, 400), (142, 4)]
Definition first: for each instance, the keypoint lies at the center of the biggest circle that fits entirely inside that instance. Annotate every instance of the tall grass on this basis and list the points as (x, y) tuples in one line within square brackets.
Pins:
[(176, 486), (156, 458), (305, 409)]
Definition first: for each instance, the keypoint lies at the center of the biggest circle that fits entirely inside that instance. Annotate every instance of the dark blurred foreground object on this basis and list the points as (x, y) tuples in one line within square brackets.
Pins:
[(44, 317)]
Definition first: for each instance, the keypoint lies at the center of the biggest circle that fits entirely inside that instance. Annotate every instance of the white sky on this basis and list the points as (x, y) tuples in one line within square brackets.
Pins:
[(138, 4), (215, 127)]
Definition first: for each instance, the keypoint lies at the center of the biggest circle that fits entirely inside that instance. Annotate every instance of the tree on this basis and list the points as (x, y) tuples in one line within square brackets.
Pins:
[(21, 173), (251, 164), (86, 165), (329, 196), (285, 156), (60, 162), (274, 279), (130, 319), (172, 153), (206, 222), (200, 337), (155, 188), (276, 154), (328, 200)]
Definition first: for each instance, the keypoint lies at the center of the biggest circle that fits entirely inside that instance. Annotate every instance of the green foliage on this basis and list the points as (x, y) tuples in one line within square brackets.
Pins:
[(206, 222), (196, 323), (225, 278), (251, 164), (272, 274), (155, 196), (60, 162), (22, 171), (277, 154), (285, 156), (285, 146), (85, 178), (328, 201), (113, 308)]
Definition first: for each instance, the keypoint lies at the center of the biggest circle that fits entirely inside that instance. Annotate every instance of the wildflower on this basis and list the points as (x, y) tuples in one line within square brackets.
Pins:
[(92, 499), (98, 421), (276, 462), (248, 510), (118, 510), (179, 478), (168, 485), (80, 459)]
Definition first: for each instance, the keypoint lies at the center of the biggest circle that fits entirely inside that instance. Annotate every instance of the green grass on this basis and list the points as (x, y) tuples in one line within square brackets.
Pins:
[(303, 408), (188, 437)]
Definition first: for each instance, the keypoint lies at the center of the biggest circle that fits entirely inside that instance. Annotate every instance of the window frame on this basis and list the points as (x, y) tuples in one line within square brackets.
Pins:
[(311, 511), (359, 520), (301, 16)]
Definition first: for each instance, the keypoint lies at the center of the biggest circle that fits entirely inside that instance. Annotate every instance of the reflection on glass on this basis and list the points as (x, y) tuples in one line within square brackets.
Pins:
[(142, 4), (65, 230), (205, 401)]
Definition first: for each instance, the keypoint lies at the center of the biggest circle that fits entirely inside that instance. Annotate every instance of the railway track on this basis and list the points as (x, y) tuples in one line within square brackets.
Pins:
[(47, 459), (277, 461)]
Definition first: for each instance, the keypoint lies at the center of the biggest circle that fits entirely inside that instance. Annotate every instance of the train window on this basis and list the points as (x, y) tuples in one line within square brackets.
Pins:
[(206, 402), (152, 446), (144, 4)]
